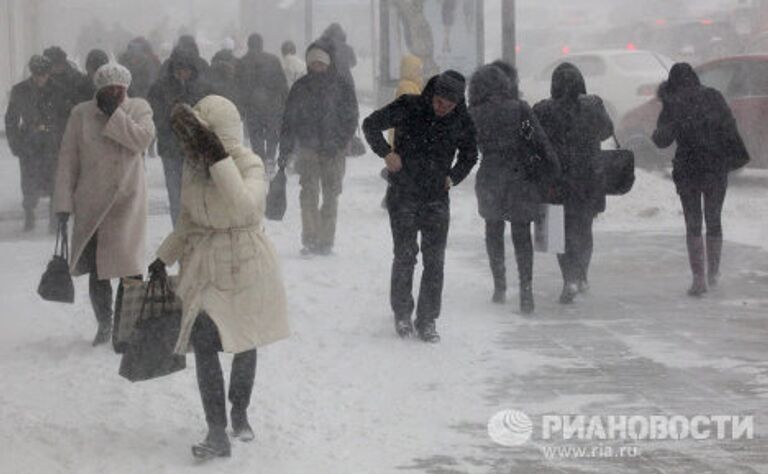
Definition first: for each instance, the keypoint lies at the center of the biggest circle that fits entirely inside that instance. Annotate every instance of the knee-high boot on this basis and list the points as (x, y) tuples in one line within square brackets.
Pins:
[(714, 250), (100, 292), (696, 259), (494, 245), (521, 237)]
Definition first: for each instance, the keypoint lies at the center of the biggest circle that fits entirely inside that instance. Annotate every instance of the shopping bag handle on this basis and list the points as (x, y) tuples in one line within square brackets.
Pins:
[(62, 242)]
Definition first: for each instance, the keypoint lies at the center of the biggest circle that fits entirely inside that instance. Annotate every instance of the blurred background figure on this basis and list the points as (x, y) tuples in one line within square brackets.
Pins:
[(144, 65), (34, 124), (293, 67)]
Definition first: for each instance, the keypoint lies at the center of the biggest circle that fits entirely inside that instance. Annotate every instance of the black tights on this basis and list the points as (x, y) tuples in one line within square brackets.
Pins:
[(712, 193), (210, 380), (494, 244)]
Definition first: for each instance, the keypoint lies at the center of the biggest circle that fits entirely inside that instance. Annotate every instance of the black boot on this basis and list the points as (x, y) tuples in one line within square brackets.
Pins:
[(494, 246), (100, 292), (521, 237), (403, 326), (714, 250), (29, 220), (240, 388), (570, 287), (216, 444), (696, 259), (428, 332)]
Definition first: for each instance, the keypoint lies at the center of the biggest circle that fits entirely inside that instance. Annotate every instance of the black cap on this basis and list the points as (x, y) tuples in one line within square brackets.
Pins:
[(451, 85), (56, 55)]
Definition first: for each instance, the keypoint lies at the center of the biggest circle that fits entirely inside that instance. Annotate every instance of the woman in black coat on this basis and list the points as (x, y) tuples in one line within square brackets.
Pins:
[(576, 124), (708, 147), (505, 187)]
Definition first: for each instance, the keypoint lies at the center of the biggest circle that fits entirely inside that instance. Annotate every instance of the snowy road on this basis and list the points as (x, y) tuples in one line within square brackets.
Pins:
[(344, 395)]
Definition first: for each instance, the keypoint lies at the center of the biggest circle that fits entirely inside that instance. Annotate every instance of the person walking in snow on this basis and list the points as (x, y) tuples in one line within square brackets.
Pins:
[(293, 67), (320, 119), (95, 59), (423, 166), (100, 180), (181, 84), (229, 282), (576, 124), (263, 90), (508, 189), (699, 120), (34, 124)]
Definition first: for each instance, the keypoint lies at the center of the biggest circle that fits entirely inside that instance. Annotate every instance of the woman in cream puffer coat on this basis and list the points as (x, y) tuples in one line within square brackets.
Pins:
[(229, 283)]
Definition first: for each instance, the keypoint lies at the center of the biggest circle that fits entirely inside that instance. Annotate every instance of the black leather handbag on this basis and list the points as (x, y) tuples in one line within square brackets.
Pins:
[(149, 353), (56, 282), (276, 200), (614, 170)]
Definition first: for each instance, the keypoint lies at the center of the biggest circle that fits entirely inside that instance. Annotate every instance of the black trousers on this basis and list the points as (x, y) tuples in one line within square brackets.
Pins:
[(37, 178), (408, 219), (574, 263), (99, 291), (210, 380), (264, 135), (494, 245), (710, 190)]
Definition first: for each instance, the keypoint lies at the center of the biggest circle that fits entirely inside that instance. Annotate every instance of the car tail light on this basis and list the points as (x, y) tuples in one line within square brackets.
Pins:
[(706, 22), (566, 50), (631, 46)]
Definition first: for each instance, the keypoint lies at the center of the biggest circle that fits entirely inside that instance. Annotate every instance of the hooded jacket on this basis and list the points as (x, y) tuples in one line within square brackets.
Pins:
[(321, 113), (168, 91), (576, 124), (504, 188), (426, 143), (700, 121), (229, 268), (262, 85)]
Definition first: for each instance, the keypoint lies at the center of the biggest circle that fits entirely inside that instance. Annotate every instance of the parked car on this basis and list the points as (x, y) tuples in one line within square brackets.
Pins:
[(620, 77), (743, 80)]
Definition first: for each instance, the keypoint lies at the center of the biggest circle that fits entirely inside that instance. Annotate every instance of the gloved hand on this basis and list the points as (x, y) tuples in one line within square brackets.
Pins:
[(157, 269), (109, 99), (63, 217), (210, 146)]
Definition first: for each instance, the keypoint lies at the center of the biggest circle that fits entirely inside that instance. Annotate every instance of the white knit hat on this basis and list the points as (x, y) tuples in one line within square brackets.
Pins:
[(112, 74), (317, 55)]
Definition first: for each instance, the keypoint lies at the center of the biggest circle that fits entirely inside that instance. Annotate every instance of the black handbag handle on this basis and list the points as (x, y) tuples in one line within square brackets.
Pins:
[(62, 242), (618, 145)]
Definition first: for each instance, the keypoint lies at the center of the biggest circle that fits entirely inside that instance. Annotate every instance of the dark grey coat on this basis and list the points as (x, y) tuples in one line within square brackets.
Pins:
[(576, 124), (505, 191)]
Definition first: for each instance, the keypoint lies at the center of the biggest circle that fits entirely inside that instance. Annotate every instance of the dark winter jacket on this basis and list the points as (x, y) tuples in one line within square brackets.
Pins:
[(576, 124), (342, 54), (506, 187), (36, 118), (169, 91), (262, 85), (427, 144), (321, 114), (144, 67), (700, 121), (223, 68), (75, 86)]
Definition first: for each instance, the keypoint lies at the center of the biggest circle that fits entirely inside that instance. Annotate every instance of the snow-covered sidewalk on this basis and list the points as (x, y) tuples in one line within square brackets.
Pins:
[(345, 395)]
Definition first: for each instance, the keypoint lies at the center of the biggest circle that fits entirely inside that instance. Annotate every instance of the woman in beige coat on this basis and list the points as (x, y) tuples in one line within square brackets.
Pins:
[(100, 178), (230, 284)]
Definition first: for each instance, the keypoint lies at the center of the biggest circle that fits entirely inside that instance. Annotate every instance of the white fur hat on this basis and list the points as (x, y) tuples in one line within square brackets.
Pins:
[(112, 74)]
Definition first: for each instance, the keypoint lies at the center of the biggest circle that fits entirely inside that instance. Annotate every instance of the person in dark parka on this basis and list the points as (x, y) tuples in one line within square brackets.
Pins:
[(140, 59), (700, 121), (181, 84), (223, 68), (506, 188), (77, 86), (341, 52), (95, 59), (429, 131), (34, 124), (263, 91), (320, 119), (576, 124)]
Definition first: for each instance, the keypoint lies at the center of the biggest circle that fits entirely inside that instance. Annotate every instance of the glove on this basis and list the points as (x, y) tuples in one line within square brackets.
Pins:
[(210, 146), (63, 217), (109, 99), (157, 269)]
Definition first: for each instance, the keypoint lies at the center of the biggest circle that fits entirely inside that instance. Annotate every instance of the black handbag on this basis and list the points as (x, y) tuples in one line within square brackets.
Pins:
[(276, 200), (56, 282), (614, 170), (149, 353), (537, 169)]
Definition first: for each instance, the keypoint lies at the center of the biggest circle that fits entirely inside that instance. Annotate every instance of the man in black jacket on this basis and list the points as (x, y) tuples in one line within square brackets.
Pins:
[(429, 129), (180, 85), (34, 123), (263, 89), (320, 120)]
